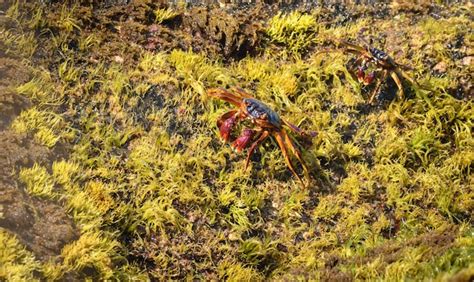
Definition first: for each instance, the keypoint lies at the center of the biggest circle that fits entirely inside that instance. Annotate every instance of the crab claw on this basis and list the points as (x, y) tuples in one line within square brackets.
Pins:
[(226, 124), (360, 74), (368, 79), (243, 140), (226, 127)]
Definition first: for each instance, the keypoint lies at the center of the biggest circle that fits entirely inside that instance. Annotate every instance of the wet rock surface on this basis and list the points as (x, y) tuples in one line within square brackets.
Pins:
[(41, 225), (165, 199), (213, 31)]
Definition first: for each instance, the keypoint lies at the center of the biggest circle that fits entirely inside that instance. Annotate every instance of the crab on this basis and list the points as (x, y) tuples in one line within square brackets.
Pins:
[(381, 62), (266, 122)]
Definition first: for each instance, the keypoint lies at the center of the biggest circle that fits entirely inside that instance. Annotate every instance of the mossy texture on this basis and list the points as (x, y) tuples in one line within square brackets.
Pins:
[(16, 263), (157, 195)]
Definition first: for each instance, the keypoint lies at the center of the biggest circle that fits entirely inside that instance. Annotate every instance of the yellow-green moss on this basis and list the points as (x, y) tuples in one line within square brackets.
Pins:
[(295, 30), (48, 127), (164, 14), (91, 250), (148, 179), (38, 181), (16, 263)]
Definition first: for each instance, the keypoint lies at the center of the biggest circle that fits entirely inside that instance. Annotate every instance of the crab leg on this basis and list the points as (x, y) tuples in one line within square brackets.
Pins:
[(255, 144), (241, 92), (296, 152), (298, 130), (352, 48), (406, 76), (225, 95), (377, 87), (352, 51), (281, 143), (399, 84), (346, 46), (360, 61)]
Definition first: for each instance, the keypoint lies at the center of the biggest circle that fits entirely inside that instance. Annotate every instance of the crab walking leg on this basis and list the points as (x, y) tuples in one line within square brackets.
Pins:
[(241, 92), (296, 152), (377, 87), (293, 127), (254, 145), (406, 76), (399, 84), (325, 50), (352, 51), (352, 48), (360, 61), (298, 130), (281, 143), (225, 95)]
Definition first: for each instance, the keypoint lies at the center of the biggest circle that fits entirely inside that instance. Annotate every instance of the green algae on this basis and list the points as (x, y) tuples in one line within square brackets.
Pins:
[(46, 126), (157, 196), (162, 15), (38, 181), (294, 30), (16, 263)]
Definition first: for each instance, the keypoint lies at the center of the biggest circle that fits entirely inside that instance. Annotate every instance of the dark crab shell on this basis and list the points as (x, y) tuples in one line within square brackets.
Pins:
[(258, 110), (378, 54), (381, 57)]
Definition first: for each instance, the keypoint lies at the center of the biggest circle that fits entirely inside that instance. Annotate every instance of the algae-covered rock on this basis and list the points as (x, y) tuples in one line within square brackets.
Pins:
[(111, 166)]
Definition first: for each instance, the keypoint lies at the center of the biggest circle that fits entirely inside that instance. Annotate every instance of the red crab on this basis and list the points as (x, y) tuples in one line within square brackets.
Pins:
[(381, 61), (266, 122)]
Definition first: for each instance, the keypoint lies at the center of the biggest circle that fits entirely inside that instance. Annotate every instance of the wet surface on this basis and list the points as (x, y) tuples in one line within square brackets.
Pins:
[(227, 33), (42, 226), (11, 104)]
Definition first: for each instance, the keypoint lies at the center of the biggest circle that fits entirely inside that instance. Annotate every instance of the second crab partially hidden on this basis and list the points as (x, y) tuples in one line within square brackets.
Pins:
[(266, 122), (383, 64)]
